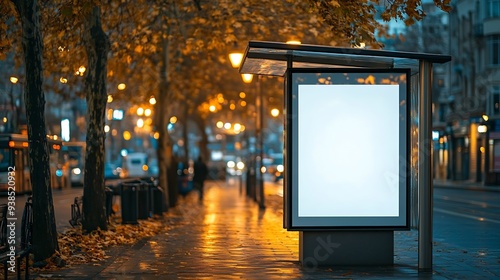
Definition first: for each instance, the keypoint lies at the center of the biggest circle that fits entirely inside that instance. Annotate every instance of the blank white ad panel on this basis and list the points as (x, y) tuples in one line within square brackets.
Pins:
[(348, 150)]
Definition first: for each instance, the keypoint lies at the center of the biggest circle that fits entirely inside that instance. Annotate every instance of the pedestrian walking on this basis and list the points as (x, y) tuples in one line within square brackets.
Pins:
[(200, 174)]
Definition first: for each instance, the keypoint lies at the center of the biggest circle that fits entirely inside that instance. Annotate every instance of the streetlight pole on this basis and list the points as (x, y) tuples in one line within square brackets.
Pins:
[(14, 107), (261, 143), (484, 130), (236, 59)]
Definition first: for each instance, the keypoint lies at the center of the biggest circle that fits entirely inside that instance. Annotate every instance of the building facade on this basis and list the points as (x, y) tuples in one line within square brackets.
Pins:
[(472, 132), (466, 93)]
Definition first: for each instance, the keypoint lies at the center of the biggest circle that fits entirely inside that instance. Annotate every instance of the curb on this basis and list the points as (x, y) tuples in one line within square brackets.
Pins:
[(467, 187)]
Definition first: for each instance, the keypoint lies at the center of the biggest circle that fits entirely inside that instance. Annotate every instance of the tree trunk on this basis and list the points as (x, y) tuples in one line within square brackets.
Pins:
[(14, 117), (97, 47), (164, 150), (203, 144), (184, 121), (44, 224)]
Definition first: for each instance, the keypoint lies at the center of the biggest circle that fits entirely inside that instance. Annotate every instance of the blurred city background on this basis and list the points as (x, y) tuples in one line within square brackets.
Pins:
[(224, 120)]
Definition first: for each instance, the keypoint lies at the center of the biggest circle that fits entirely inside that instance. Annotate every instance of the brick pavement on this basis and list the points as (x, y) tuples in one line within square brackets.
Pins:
[(227, 237)]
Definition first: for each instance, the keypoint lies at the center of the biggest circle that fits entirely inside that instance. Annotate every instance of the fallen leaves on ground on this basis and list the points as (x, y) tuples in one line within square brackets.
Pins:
[(75, 247)]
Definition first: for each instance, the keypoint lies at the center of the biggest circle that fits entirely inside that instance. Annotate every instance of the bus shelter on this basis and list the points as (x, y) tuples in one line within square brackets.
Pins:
[(358, 139)]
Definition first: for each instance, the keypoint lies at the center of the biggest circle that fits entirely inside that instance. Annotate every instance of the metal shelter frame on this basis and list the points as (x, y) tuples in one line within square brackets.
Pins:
[(275, 59)]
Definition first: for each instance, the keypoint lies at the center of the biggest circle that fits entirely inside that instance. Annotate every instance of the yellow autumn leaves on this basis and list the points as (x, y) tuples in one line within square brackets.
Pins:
[(78, 248)]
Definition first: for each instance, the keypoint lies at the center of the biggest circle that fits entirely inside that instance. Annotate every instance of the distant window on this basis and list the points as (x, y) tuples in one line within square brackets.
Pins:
[(136, 161), (440, 82), (493, 8), (441, 113), (478, 10), (493, 42), (496, 100)]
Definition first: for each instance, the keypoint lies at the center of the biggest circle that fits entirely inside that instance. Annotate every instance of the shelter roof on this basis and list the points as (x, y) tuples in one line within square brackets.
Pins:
[(273, 58)]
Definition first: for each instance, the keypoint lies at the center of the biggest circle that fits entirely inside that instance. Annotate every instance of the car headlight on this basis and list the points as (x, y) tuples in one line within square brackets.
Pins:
[(240, 165), (280, 168)]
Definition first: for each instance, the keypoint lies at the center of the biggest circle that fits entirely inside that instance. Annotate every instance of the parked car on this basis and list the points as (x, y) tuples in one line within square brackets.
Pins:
[(135, 165)]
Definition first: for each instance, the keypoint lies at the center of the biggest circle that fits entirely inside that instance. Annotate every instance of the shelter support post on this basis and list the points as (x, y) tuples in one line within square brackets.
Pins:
[(425, 187), (262, 204)]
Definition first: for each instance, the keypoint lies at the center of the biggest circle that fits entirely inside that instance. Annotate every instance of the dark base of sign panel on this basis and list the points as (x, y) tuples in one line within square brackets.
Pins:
[(346, 248)]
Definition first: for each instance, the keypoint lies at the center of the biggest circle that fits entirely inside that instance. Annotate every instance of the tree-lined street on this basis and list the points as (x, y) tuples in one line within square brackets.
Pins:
[(93, 90)]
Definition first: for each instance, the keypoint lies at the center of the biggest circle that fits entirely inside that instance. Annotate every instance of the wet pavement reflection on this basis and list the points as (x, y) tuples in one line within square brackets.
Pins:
[(226, 236)]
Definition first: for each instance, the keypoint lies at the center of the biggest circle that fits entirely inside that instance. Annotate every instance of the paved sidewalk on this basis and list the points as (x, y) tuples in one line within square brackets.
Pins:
[(227, 237)]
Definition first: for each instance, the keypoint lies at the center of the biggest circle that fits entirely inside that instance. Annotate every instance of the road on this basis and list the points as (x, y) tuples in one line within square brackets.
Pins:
[(62, 207), (468, 219)]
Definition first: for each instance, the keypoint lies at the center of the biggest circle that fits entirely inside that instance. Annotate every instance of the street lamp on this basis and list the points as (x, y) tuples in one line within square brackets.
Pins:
[(483, 130), (14, 105), (152, 100), (121, 86), (293, 42), (275, 112), (236, 58), (247, 78)]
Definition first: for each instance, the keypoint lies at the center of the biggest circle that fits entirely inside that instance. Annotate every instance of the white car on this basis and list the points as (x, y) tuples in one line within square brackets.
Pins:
[(235, 167)]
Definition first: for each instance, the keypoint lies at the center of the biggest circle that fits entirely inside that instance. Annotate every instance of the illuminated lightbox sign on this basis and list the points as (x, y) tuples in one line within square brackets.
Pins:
[(347, 149)]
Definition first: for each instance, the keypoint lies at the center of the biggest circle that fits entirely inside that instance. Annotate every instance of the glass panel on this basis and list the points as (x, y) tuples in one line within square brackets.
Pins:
[(413, 160)]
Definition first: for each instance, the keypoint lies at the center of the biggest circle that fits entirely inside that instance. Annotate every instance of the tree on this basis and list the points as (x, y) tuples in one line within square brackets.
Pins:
[(355, 20), (44, 226), (71, 38), (97, 47)]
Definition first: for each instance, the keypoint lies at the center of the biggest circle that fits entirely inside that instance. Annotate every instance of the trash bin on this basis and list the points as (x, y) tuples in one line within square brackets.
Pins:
[(144, 210), (157, 203), (156, 195), (149, 184), (109, 201), (129, 202)]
